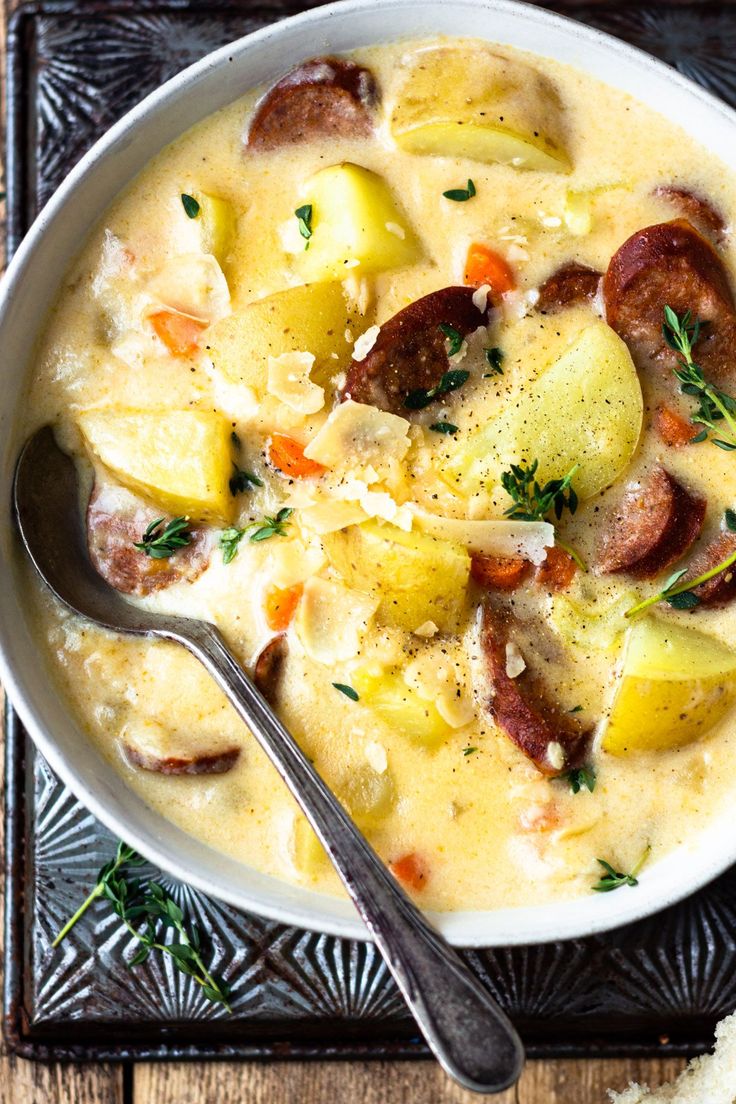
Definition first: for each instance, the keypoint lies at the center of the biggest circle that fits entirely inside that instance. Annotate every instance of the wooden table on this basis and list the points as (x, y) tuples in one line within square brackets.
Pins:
[(558, 1082)]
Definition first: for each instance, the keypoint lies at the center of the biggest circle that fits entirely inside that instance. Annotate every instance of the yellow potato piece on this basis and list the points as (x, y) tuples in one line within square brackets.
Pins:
[(367, 795), (310, 319), (470, 101), (676, 684), (356, 226), (308, 854), (401, 707), (181, 459), (218, 225), (415, 577), (585, 409)]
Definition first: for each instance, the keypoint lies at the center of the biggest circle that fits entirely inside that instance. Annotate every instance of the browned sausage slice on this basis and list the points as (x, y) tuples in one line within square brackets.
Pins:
[(269, 667), (671, 264), (116, 519), (655, 524), (721, 589), (323, 98), (153, 748), (410, 353), (554, 740), (696, 209), (573, 283)]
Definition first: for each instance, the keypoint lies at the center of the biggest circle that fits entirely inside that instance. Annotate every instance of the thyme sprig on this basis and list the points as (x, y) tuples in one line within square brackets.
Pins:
[(532, 501), (160, 543), (450, 381), (581, 777), (147, 911), (614, 879), (304, 222), (714, 405), (241, 481), (269, 527)]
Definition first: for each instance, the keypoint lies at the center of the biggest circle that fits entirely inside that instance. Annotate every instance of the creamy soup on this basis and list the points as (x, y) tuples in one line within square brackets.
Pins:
[(308, 363)]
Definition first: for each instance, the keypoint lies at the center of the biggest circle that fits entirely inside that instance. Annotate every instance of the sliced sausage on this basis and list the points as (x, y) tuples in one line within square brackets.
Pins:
[(269, 667), (323, 98), (409, 354), (696, 209), (721, 589), (521, 707), (655, 524), (573, 283), (116, 519), (671, 264), (154, 748)]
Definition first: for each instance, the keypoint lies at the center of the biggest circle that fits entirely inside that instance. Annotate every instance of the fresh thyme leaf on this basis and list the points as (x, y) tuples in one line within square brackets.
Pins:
[(702, 436), (272, 526), (685, 600), (190, 205), (494, 357), (460, 195), (576, 709), (160, 543), (229, 541), (124, 856), (730, 519), (347, 691), (444, 427), (613, 879), (241, 481), (469, 751), (532, 502), (454, 338), (714, 405), (304, 221), (674, 589), (581, 776), (417, 400)]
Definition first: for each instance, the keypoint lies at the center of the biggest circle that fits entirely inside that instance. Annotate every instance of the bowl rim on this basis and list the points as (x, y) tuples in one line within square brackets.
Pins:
[(530, 924)]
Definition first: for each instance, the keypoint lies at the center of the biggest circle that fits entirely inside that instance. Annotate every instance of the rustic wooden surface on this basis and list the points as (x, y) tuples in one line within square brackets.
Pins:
[(558, 1082)]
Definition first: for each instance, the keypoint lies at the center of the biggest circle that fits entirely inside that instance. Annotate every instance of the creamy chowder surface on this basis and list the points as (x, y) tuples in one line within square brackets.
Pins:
[(458, 678)]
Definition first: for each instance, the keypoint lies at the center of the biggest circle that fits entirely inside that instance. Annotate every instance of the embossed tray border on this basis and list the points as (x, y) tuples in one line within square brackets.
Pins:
[(177, 1040)]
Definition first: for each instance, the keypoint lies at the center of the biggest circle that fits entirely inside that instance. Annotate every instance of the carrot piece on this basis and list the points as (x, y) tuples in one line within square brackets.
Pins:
[(180, 333), (485, 266), (498, 572), (672, 428), (280, 606), (409, 870), (287, 455), (557, 570)]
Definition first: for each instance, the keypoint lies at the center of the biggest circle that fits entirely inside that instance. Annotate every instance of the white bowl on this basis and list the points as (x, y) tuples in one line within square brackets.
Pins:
[(29, 288)]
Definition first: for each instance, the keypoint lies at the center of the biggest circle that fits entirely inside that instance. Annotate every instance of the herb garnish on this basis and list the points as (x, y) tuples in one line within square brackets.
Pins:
[(581, 776), (444, 427), (680, 595), (417, 400), (241, 481), (681, 334), (612, 879), (454, 338), (469, 751), (160, 543), (460, 195), (269, 527), (145, 909), (347, 691), (494, 356), (190, 205), (304, 221), (533, 502)]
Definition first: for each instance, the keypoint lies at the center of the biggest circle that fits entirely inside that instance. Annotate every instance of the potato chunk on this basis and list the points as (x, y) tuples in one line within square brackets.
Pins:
[(356, 226), (217, 225), (585, 409), (181, 459), (415, 577), (401, 707), (470, 101), (676, 684), (310, 319)]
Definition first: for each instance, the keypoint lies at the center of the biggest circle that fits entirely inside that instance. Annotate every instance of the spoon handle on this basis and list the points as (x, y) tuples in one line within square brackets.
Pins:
[(467, 1031)]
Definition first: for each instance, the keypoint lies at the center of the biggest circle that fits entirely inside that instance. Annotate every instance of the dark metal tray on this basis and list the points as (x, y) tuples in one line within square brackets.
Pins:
[(656, 987)]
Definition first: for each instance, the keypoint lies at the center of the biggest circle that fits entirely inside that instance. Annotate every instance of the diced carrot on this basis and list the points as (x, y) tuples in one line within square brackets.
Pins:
[(280, 606), (673, 428), (287, 455), (485, 266), (539, 818), (498, 572), (180, 333), (558, 569), (409, 870)]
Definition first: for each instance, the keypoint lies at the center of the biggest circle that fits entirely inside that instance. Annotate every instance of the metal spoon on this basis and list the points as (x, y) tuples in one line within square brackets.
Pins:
[(467, 1031)]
